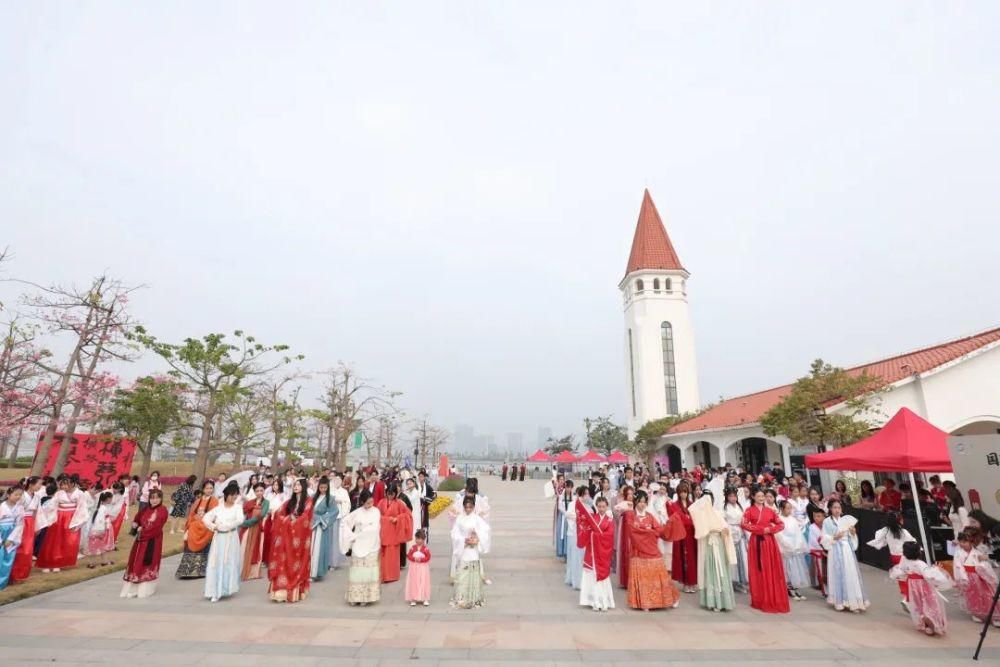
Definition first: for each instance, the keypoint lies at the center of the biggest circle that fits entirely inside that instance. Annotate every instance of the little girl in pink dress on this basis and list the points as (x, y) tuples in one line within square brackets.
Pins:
[(418, 574)]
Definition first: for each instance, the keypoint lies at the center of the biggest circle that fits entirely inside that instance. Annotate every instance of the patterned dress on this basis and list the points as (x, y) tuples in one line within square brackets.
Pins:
[(288, 566), (182, 497)]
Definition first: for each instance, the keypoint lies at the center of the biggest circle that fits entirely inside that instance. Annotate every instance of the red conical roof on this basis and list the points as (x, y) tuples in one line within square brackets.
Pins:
[(651, 247)]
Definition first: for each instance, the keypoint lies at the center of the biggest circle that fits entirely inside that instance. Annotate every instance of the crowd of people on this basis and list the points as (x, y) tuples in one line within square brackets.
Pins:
[(658, 535), (720, 533), (291, 527)]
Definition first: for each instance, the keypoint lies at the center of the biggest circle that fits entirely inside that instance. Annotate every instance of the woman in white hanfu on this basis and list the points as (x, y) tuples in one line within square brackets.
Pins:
[(413, 495), (225, 557), (470, 541), (360, 533), (482, 510), (658, 507), (845, 589), (732, 512), (343, 500)]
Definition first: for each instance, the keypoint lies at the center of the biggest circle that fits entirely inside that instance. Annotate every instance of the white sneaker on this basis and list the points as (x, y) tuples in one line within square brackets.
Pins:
[(427, 603), (215, 599), (413, 604)]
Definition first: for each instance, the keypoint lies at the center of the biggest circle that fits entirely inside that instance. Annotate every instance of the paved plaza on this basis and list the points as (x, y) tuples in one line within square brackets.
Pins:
[(531, 618)]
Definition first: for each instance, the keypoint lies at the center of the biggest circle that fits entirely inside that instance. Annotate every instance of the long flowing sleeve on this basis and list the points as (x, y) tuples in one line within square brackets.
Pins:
[(879, 541), (347, 536), (210, 518), (483, 532)]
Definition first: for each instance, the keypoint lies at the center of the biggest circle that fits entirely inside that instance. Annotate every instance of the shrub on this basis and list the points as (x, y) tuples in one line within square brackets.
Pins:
[(452, 483)]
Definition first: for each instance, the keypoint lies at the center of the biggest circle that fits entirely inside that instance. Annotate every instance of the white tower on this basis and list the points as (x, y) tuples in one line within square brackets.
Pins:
[(661, 373)]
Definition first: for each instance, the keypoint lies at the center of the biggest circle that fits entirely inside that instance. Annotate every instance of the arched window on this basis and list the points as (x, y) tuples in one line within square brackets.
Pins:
[(666, 284), (638, 286), (669, 371), (631, 369), (656, 284)]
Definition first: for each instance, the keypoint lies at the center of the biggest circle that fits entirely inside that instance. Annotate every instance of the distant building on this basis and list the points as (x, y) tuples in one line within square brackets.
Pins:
[(465, 438), (544, 435), (515, 445)]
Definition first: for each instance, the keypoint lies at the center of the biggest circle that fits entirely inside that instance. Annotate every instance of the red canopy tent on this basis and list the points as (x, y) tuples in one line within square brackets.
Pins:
[(907, 443), (565, 457), (617, 457), (539, 457), (592, 457)]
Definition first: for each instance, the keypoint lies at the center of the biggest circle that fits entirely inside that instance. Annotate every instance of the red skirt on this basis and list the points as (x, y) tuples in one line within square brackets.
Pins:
[(684, 567), (144, 559), (22, 562), (61, 544), (116, 523), (904, 585), (768, 590)]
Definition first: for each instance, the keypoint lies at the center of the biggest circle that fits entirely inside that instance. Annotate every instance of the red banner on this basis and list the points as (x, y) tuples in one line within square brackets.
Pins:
[(94, 457)]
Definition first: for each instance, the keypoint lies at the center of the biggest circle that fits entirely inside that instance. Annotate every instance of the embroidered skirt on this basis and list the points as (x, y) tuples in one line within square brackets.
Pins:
[(364, 579), (650, 585), (193, 564), (469, 590)]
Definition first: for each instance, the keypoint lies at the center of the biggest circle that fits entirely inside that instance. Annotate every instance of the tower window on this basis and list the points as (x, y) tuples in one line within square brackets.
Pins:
[(669, 370), (656, 284), (638, 286), (666, 284), (631, 369)]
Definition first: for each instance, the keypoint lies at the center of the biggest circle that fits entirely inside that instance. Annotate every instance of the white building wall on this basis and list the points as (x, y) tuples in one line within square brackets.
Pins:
[(644, 316)]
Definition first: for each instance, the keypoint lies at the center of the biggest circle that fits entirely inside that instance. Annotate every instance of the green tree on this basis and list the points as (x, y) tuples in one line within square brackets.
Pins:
[(217, 371), (647, 438), (604, 436), (146, 412), (563, 444), (801, 415)]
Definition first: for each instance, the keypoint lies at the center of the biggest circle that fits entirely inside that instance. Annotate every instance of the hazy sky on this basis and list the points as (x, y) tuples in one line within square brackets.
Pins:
[(444, 194)]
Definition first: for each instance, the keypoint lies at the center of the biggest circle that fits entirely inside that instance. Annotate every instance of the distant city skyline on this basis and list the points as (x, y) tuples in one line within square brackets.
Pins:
[(465, 438)]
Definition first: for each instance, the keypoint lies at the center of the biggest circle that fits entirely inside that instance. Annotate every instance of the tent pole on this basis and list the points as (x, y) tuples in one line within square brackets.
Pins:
[(920, 518)]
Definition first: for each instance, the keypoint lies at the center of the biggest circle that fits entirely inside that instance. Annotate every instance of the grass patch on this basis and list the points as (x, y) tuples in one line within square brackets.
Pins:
[(40, 582)]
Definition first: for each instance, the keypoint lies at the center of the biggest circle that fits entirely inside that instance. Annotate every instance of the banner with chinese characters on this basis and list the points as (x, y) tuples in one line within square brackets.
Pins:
[(975, 460), (94, 457)]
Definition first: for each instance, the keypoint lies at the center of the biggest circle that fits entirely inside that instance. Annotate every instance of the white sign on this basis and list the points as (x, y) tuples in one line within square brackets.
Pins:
[(976, 462)]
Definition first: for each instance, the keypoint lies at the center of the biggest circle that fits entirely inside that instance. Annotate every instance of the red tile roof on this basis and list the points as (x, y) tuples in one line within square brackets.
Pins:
[(746, 410), (651, 247)]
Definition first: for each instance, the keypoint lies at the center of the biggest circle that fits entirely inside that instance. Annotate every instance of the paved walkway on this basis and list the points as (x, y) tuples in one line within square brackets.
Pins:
[(531, 618)]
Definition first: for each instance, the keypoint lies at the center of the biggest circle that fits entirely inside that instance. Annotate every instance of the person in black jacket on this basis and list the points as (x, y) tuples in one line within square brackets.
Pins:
[(427, 496)]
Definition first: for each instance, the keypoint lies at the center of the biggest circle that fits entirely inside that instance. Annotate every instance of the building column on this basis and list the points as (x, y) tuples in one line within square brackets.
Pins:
[(786, 458), (722, 457)]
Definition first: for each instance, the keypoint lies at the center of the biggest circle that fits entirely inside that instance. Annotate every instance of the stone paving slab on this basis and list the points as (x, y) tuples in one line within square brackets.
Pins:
[(531, 618)]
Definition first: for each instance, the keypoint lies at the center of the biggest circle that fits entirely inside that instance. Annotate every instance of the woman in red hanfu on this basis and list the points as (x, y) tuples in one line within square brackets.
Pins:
[(251, 535), (288, 568), (144, 560), (649, 583), (31, 500), (684, 565), (596, 535), (621, 534), (768, 591), (61, 544), (397, 528)]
